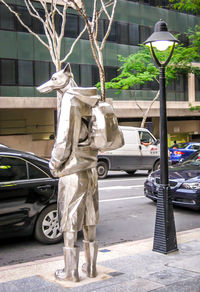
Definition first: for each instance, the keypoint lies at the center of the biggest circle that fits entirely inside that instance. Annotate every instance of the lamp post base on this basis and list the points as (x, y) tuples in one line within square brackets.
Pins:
[(165, 232)]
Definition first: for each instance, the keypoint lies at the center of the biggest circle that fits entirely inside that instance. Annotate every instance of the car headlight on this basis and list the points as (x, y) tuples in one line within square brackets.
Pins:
[(150, 178), (192, 186)]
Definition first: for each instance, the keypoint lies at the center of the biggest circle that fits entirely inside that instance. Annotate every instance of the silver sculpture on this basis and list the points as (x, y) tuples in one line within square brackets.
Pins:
[(74, 160)]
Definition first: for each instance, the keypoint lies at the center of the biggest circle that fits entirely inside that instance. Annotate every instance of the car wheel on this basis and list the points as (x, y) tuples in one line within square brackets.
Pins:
[(157, 165), (131, 172), (47, 227), (102, 169)]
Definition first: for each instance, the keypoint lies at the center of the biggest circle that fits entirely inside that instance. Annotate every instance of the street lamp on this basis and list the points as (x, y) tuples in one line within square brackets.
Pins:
[(165, 232)]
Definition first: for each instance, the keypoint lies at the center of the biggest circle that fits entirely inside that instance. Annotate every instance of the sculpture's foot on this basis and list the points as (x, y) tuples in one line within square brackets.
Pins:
[(89, 271), (62, 275), (91, 250), (70, 272)]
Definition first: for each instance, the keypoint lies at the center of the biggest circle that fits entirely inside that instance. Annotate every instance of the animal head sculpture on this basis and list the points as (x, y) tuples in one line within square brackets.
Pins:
[(58, 81)]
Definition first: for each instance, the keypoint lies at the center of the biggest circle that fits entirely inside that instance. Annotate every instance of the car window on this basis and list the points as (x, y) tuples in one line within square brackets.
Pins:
[(195, 147), (145, 137), (12, 169), (34, 172), (192, 159), (179, 146)]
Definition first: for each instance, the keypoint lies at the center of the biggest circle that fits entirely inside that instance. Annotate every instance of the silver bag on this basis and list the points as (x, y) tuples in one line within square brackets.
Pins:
[(105, 132)]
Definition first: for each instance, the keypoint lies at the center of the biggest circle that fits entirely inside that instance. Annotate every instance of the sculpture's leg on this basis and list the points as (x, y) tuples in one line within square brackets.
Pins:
[(91, 250), (71, 258)]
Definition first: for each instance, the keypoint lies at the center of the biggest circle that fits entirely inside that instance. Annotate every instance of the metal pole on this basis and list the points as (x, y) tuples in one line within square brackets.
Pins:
[(165, 233), (163, 130)]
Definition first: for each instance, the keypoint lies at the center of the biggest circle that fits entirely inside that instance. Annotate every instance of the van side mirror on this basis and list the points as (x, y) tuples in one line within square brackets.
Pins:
[(157, 142)]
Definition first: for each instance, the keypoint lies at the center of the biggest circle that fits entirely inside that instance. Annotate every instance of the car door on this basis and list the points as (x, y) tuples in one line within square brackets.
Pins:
[(149, 151), (20, 194)]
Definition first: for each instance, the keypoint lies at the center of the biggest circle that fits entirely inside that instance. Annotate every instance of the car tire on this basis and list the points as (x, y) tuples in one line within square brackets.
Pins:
[(157, 165), (47, 226), (131, 172), (102, 169)]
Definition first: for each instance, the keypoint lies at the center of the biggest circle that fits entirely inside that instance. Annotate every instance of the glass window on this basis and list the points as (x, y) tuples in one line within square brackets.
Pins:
[(145, 137), (26, 18), (110, 73), (12, 169), (122, 33), (71, 26), (197, 83), (133, 34), (37, 25), (34, 172), (52, 68), (81, 27), (144, 33), (76, 72), (95, 75), (8, 72), (41, 72), (86, 75), (7, 19), (195, 147), (113, 32), (180, 83), (25, 73), (100, 30)]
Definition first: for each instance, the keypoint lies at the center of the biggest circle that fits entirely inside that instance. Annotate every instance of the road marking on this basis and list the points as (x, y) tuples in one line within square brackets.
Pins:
[(122, 179), (121, 199), (120, 187)]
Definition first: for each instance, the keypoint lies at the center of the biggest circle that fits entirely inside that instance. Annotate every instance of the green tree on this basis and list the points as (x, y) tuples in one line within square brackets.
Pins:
[(139, 68), (186, 5)]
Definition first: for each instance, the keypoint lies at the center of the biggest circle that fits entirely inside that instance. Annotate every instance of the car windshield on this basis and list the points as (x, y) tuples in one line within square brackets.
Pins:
[(179, 146)]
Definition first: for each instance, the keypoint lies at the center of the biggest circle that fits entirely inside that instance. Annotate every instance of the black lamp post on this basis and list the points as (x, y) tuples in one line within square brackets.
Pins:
[(165, 232)]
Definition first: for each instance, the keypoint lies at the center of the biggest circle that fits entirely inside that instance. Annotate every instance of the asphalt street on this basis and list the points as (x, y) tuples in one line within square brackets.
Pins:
[(125, 215)]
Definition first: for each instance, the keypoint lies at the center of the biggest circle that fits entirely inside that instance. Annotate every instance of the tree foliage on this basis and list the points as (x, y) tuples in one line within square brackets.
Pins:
[(186, 5), (139, 68)]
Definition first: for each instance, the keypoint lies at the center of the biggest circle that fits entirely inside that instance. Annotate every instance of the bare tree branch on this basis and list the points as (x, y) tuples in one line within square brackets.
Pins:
[(73, 45), (23, 24), (148, 109), (109, 26), (105, 10)]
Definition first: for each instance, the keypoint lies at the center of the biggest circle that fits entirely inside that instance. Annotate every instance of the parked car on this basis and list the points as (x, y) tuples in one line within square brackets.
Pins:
[(140, 151), (2, 145), (184, 180), (182, 150), (28, 195)]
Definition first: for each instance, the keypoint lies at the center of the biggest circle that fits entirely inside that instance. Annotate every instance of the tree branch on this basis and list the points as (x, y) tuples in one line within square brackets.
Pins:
[(109, 26), (24, 25), (73, 45)]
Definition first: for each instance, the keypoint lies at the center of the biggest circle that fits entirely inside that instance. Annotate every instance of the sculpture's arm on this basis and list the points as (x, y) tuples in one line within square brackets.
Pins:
[(63, 145)]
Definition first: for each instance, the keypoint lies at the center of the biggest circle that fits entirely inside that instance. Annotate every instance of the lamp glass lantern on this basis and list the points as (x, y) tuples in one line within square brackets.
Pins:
[(161, 39), (165, 232)]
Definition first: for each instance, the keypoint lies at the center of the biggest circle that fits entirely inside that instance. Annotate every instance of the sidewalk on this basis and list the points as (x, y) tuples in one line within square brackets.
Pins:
[(130, 266)]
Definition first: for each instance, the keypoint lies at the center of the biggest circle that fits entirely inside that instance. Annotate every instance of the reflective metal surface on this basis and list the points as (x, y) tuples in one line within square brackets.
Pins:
[(73, 160)]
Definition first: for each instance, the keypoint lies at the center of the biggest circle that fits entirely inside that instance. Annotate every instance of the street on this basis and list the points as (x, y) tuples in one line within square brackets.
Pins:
[(125, 215)]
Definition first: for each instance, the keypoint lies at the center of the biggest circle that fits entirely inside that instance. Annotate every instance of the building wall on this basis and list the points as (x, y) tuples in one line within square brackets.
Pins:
[(27, 118)]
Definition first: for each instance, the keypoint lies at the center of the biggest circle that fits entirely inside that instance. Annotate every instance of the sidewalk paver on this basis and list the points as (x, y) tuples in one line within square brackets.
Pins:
[(129, 266)]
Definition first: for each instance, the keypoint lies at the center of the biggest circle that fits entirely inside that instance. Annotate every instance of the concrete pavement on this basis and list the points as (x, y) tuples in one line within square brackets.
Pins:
[(130, 266)]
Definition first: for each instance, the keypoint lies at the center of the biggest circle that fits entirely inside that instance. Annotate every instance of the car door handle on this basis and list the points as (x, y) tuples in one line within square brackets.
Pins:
[(42, 188)]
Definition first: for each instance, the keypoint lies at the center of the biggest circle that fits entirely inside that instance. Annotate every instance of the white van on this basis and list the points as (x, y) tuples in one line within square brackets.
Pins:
[(140, 151)]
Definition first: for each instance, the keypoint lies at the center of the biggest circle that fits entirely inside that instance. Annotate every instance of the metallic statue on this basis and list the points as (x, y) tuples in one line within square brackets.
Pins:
[(74, 161)]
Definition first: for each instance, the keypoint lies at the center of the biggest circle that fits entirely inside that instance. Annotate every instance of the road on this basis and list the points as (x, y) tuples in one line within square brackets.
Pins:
[(125, 214)]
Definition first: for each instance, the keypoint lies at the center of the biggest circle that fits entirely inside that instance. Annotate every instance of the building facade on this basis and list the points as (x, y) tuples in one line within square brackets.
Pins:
[(27, 119)]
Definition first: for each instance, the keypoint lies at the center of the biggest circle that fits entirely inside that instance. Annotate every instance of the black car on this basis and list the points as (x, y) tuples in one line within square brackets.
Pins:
[(28, 197), (184, 180)]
